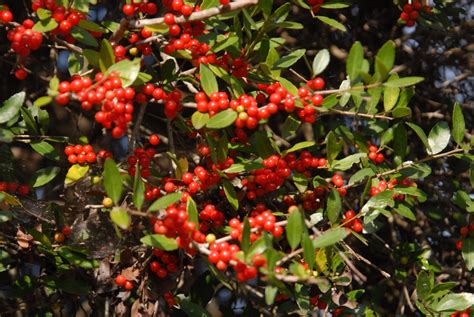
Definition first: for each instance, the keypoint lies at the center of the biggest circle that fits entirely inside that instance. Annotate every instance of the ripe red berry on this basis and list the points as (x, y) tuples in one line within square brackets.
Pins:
[(128, 9), (21, 74), (169, 18), (357, 226), (120, 280), (154, 139), (128, 285)]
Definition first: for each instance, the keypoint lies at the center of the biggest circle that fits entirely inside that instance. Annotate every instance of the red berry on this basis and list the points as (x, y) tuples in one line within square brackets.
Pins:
[(120, 280), (128, 9), (154, 139), (21, 74), (128, 285)]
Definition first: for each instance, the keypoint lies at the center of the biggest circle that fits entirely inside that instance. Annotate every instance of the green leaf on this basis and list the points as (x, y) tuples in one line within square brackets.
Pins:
[(424, 284), (360, 175), (75, 173), (193, 214), (84, 36), (160, 241), (74, 65), (335, 4), (193, 310), (208, 80), (321, 61), (112, 181), (421, 134), (241, 167), (403, 82), (386, 55), (46, 25), (165, 201), (290, 126), (294, 229), (401, 112), (228, 41), (270, 294), (334, 23), (288, 60), (43, 101), (454, 302), (43, 14), (354, 61), (107, 56), (40, 237), (81, 5), (390, 97), (439, 137), (458, 124), (333, 147), (45, 175), (92, 56), (308, 250), (138, 189), (120, 217), (222, 120), (405, 212), (230, 194), (301, 181), (299, 146), (128, 71), (330, 237), (206, 4), (334, 206), (245, 243), (347, 162), (379, 201), (73, 286), (75, 257), (400, 140), (45, 149), (288, 85), (468, 253), (199, 119), (91, 26), (11, 107)]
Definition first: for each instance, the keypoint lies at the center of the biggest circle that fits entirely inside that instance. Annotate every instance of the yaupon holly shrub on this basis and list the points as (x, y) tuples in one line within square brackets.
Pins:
[(211, 168)]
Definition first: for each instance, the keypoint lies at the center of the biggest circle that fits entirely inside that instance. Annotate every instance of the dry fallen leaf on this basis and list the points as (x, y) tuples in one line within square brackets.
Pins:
[(23, 239)]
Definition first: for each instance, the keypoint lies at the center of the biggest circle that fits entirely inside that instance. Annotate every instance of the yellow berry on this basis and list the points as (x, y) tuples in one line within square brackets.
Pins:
[(107, 202), (59, 237), (95, 180), (211, 238), (133, 51)]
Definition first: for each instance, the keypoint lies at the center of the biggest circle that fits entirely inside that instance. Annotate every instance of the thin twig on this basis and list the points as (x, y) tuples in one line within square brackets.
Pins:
[(136, 127), (197, 16)]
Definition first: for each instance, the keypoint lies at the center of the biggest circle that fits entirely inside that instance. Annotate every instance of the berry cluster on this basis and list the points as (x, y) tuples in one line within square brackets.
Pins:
[(237, 67), (66, 18), (377, 158), (5, 14), (465, 232), (315, 5), (81, 154), (114, 102), (350, 220), (122, 281), (60, 236), (23, 39), (142, 156), (172, 100), (261, 219), (175, 225), (311, 198), (277, 170), (13, 187), (210, 217), (382, 185), (165, 263), (315, 301), (169, 299), (411, 12), (221, 253), (142, 7)]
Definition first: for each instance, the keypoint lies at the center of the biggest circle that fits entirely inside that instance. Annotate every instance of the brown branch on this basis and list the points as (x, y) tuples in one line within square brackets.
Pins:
[(197, 16)]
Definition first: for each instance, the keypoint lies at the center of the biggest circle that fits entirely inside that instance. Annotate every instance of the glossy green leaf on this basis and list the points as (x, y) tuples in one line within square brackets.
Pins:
[(245, 243), (83, 36), (46, 25), (424, 284), (347, 162), (354, 60), (299, 146), (386, 55), (361, 175), (405, 212), (222, 120), (45, 175), (120, 217), (40, 237), (138, 189), (332, 22), (288, 60), (43, 101), (421, 134), (330, 237), (458, 124), (468, 253), (294, 229), (208, 80), (199, 119), (400, 140), (193, 214), (333, 206), (128, 71), (230, 194), (333, 147), (107, 56), (321, 61), (165, 201), (454, 302), (112, 181), (45, 149), (11, 107), (290, 126), (73, 256), (439, 137), (403, 82), (308, 250), (160, 241)]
